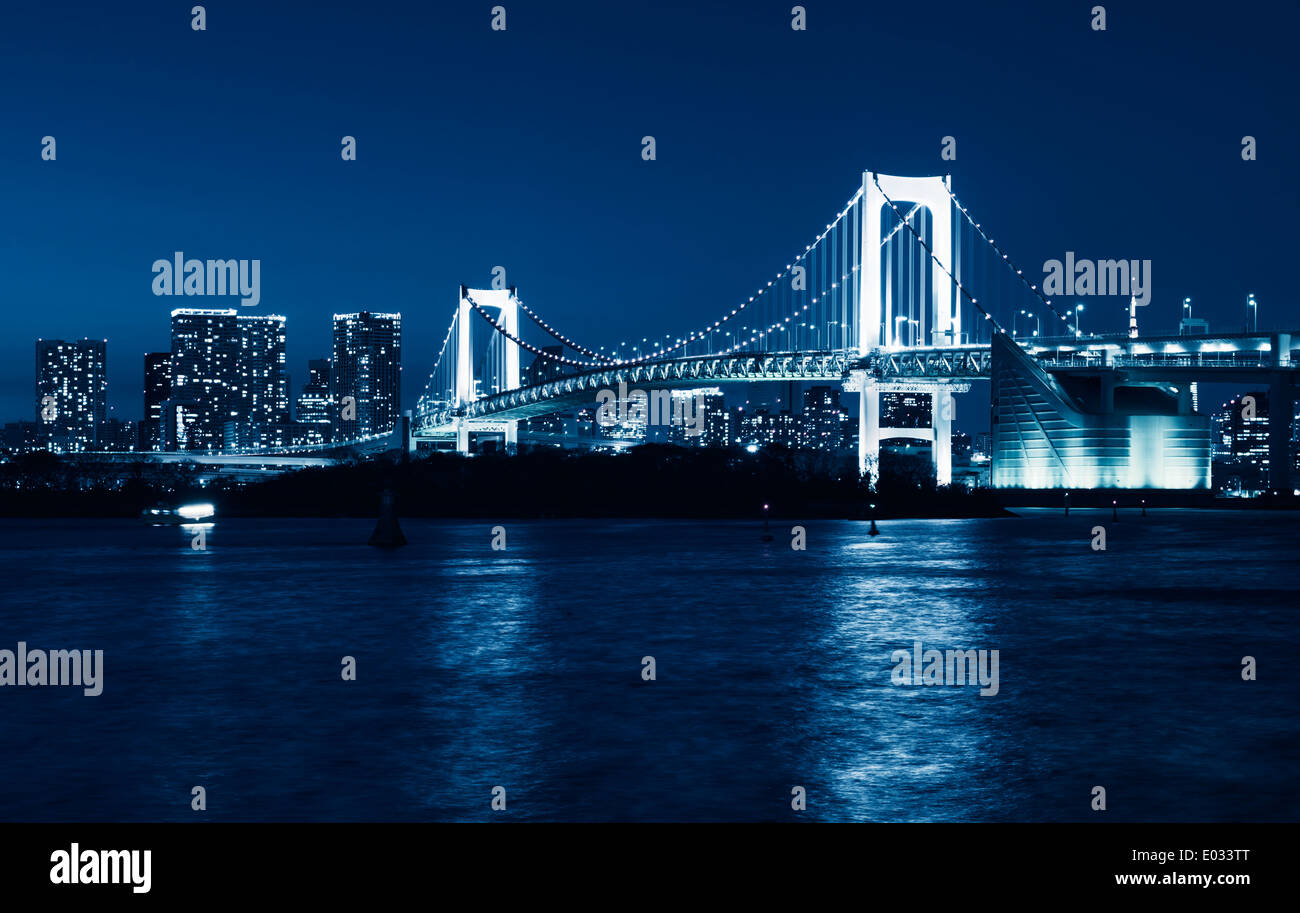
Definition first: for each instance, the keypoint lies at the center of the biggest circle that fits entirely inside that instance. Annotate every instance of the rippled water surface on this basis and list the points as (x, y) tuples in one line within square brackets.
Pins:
[(522, 668)]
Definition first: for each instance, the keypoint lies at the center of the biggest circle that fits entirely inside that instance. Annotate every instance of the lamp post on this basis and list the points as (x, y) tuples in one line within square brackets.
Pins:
[(897, 321), (1078, 321), (1254, 312)]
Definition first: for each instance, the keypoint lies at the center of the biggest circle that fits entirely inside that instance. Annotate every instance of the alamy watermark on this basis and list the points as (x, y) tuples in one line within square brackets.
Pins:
[(77, 866), (955, 667), (1076, 278), (79, 668), (658, 407), (179, 276)]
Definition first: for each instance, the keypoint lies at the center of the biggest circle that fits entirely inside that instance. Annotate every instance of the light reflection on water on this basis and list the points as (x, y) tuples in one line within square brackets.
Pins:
[(522, 668)]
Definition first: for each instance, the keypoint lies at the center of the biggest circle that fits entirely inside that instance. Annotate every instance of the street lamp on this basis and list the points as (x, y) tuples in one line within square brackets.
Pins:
[(1254, 312), (1078, 321), (897, 321)]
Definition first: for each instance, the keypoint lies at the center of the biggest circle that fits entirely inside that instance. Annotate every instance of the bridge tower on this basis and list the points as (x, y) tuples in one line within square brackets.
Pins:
[(877, 330), (506, 303)]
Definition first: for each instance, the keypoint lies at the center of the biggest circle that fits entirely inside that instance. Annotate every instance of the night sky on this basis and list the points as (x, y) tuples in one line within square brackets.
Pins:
[(523, 149)]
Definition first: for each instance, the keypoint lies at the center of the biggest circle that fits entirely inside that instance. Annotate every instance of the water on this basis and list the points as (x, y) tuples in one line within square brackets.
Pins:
[(522, 668)]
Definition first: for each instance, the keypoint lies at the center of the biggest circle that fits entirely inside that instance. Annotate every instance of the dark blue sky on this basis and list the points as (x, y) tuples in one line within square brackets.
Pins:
[(522, 148)]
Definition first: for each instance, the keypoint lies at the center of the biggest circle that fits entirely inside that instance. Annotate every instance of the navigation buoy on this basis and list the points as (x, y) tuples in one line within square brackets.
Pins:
[(387, 534)]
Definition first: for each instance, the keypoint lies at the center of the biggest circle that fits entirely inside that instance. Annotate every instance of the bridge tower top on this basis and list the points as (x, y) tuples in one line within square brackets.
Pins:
[(942, 319), (506, 303)]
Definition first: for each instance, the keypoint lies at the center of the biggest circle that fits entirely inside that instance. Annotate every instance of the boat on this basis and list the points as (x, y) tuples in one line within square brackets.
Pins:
[(178, 516)]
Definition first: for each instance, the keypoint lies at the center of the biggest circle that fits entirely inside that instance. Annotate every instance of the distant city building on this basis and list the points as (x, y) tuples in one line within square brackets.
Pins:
[(227, 379), (1241, 443), (179, 421), (157, 390), (962, 446), (367, 369), (263, 386), (544, 367), (717, 421), (117, 435), (204, 377), (761, 428), (823, 419), (20, 437), (906, 410), (71, 392), (314, 401), (691, 414)]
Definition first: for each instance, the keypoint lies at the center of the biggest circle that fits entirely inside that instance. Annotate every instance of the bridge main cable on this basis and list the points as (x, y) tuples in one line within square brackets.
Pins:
[(1005, 259), (961, 288), (603, 359)]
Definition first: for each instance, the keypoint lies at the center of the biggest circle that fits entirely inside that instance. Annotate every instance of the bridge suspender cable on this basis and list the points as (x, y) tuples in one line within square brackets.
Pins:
[(938, 262), (1005, 259), (537, 319), (702, 334)]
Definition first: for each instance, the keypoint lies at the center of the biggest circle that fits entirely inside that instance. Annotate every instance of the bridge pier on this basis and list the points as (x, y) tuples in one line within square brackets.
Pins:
[(869, 431), (941, 408)]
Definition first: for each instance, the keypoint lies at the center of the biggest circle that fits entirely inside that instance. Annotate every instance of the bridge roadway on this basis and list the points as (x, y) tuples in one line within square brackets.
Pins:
[(1229, 357)]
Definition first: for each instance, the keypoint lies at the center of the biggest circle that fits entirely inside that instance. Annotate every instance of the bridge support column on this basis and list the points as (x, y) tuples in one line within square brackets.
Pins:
[(869, 432), (462, 437), (941, 410), (512, 437)]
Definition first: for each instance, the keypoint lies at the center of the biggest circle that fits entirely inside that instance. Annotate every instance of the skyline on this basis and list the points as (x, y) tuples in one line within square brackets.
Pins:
[(758, 132)]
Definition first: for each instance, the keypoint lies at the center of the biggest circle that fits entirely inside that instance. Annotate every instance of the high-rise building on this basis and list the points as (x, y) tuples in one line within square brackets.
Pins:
[(1241, 442), (823, 418), (263, 384), (717, 420), (366, 379), (204, 377), (762, 427), (117, 435), (157, 390), (905, 410), (227, 379), (71, 392), (314, 400), (21, 437), (545, 366), (694, 413)]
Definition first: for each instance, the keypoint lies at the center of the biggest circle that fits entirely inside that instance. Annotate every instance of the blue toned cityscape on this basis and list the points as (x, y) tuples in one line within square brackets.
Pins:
[(560, 413)]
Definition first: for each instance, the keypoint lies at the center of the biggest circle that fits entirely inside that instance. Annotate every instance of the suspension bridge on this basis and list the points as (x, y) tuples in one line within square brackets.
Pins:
[(903, 291)]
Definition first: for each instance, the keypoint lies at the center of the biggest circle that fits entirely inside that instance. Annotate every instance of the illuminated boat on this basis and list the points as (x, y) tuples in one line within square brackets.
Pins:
[(179, 516)]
